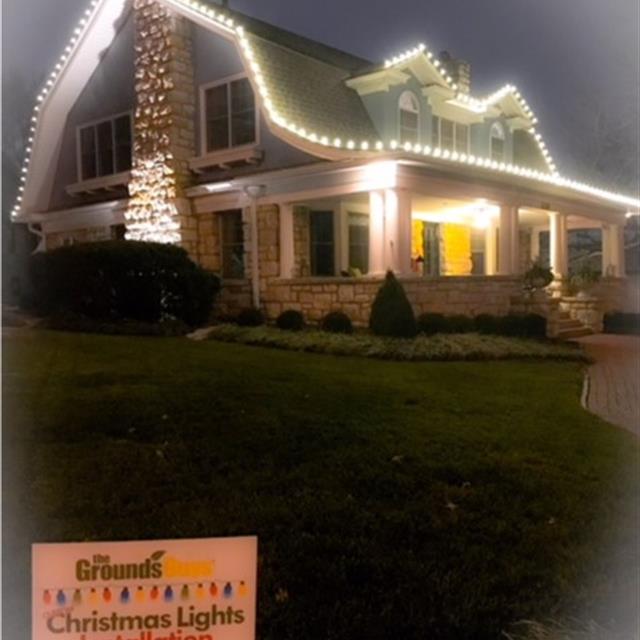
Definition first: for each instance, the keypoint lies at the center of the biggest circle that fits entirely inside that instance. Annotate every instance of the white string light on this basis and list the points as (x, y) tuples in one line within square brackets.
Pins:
[(225, 22)]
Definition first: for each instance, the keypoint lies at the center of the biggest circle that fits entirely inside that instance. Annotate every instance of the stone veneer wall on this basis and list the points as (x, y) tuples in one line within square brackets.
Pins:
[(468, 295), (619, 294), (302, 243), (164, 129)]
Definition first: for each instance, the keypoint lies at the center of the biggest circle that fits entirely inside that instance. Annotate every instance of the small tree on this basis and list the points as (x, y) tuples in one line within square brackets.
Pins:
[(391, 313)]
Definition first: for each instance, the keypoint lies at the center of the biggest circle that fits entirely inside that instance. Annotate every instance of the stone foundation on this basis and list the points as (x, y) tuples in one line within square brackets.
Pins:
[(618, 294), (586, 310), (315, 297)]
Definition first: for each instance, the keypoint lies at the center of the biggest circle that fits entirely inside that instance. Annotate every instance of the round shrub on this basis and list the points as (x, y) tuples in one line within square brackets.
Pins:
[(115, 281), (391, 313), (290, 320), (535, 326), (336, 322), (431, 323), (460, 324), (487, 324), (250, 317)]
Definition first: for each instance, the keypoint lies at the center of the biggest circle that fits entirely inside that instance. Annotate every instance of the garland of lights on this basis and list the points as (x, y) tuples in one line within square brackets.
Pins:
[(61, 596), (224, 21)]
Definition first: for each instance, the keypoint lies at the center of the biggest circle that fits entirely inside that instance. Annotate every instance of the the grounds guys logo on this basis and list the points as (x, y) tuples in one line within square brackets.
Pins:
[(159, 565)]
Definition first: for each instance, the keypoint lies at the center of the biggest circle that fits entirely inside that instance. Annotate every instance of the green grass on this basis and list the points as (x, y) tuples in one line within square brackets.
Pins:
[(437, 348), (392, 500)]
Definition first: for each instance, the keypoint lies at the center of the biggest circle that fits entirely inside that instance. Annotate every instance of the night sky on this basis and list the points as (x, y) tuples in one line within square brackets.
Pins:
[(575, 61)]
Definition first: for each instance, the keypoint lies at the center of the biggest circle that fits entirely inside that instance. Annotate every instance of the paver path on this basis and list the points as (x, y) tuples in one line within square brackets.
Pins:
[(613, 391)]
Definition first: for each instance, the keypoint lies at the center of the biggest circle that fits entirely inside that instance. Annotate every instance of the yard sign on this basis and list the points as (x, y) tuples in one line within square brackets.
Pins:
[(160, 590)]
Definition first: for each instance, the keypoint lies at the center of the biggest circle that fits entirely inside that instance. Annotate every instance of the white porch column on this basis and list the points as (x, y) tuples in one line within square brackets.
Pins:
[(397, 231), (616, 250), (490, 249), (606, 250), (558, 245), (505, 258), (287, 247), (376, 232), (515, 241)]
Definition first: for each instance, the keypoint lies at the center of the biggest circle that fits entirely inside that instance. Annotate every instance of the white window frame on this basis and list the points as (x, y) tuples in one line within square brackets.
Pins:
[(203, 117), (455, 124), (417, 114), (502, 135), (94, 124)]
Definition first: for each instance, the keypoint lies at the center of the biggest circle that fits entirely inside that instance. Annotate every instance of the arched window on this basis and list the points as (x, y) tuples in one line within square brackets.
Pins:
[(409, 118), (497, 142)]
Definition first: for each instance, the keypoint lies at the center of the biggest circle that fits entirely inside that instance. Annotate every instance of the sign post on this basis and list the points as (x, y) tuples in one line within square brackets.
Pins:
[(156, 590)]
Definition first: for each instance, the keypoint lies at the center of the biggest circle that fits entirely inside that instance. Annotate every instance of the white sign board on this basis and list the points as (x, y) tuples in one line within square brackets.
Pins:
[(157, 590)]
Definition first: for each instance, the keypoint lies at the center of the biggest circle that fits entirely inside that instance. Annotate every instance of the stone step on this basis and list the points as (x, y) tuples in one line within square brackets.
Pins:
[(570, 334), (569, 323)]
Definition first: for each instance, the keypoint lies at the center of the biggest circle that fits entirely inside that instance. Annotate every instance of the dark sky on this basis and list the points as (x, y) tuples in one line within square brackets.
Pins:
[(574, 60)]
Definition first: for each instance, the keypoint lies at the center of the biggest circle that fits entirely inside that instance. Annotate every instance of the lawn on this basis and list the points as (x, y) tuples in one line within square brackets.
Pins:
[(392, 500)]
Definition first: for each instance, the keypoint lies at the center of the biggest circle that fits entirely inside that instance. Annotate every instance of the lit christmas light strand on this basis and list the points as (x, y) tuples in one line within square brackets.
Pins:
[(221, 20)]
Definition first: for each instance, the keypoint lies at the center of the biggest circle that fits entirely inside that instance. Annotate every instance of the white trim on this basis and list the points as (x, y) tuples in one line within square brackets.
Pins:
[(104, 183), (202, 91), (250, 154), (94, 124)]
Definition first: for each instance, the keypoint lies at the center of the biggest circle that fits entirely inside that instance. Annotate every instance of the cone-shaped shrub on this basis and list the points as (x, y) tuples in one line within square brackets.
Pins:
[(391, 313)]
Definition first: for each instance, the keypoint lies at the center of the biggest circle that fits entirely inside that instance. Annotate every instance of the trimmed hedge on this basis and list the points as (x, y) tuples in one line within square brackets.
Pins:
[(622, 323), (290, 320), (115, 281), (391, 313), (337, 322), (250, 318), (512, 325)]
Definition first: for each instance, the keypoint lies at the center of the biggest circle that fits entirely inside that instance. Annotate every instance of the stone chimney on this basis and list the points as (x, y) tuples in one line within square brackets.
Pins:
[(164, 128), (459, 70)]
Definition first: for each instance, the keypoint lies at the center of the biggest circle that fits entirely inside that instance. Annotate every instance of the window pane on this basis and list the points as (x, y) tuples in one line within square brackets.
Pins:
[(462, 138), (497, 149), (105, 148), (408, 126), (243, 113), (123, 143), (88, 153), (435, 131), (359, 242), (232, 245), (446, 134), (217, 116), (322, 247)]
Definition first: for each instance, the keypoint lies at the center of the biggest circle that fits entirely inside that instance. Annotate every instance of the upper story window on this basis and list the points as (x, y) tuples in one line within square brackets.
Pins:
[(409, 117), (447, 134), (497, 142), (230, 116), (104, 148)]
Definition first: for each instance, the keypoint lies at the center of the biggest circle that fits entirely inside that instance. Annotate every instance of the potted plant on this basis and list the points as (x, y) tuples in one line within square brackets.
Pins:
[(583, 280), (537, 277)]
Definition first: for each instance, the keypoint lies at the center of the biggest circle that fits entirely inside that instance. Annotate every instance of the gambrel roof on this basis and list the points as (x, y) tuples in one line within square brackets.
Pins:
[(306, 90)]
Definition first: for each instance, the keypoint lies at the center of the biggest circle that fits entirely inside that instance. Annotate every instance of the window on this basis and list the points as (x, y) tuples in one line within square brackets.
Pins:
[(462, 138), (409, 118), (447, 130), (447, 134), (497, 142), (359, 242), (230, 115), (322, 243), (232, 245), (105, 147)]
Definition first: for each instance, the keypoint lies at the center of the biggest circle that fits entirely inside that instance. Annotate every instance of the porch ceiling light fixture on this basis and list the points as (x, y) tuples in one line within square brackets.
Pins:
[(226, 23)]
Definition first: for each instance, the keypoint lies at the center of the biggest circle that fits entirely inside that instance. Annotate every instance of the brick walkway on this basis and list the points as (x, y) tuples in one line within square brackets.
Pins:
[(614, 380)]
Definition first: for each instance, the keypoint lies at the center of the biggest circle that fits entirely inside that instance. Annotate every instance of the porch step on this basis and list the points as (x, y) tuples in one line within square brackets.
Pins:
[(570, 334)]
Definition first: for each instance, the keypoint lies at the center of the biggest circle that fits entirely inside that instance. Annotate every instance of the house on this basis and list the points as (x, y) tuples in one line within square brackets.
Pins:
[(301, 173)]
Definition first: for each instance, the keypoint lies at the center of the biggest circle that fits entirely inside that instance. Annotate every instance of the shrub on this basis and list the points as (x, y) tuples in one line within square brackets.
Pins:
[(290, 320), (250, 317), (336, 322), (523, 326), (487, 324), (115, 281), (460, 324), (622, 323), (431, 323), (391, 313), (537, 277)]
